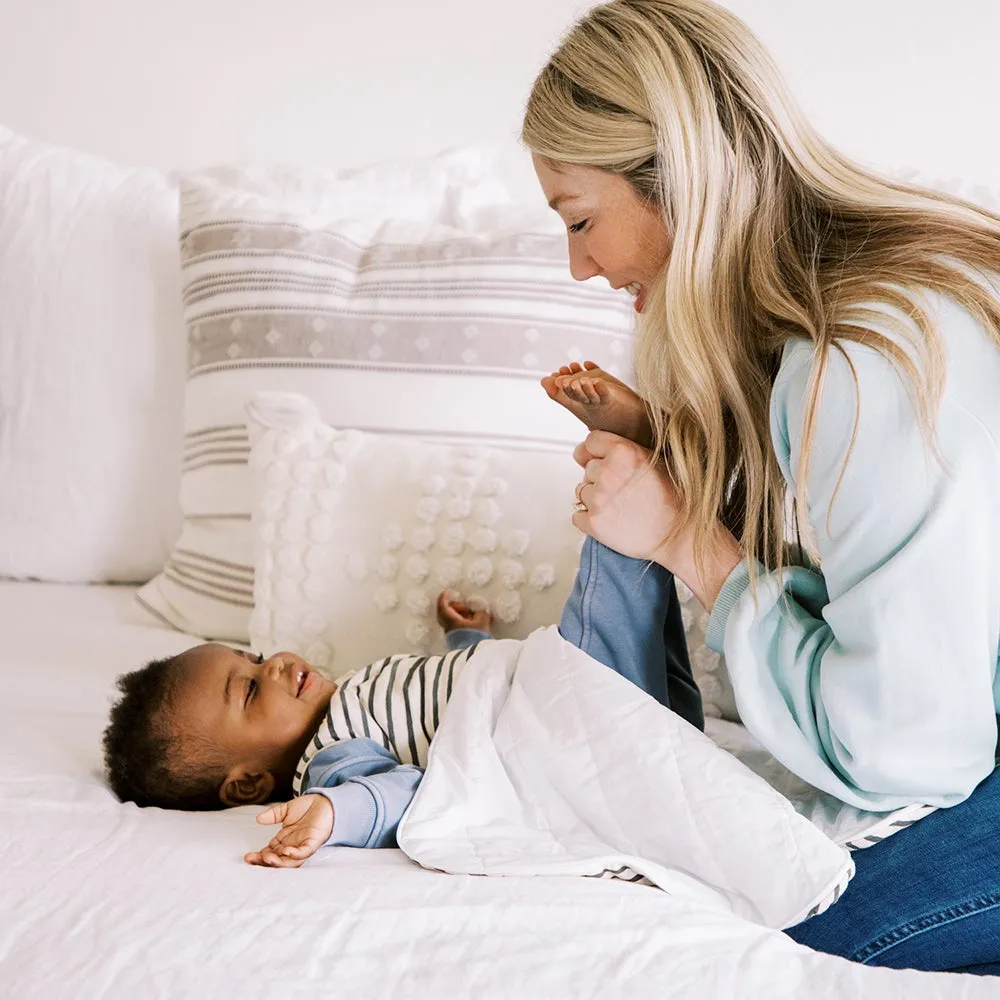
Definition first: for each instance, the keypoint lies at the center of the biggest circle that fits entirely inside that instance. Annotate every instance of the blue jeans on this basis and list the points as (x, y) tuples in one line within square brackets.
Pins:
[(625, 613), (926, 898)]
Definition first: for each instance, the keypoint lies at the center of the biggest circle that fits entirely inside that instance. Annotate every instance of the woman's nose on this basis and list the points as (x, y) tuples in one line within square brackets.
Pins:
[(581, 265)]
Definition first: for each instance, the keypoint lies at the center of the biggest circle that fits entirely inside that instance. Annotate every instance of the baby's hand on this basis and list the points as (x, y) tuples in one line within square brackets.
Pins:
[(453, 613), (306, 825)]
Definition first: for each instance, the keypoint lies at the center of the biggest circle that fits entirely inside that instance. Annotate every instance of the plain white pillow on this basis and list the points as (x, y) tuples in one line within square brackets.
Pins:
[(91, 366)]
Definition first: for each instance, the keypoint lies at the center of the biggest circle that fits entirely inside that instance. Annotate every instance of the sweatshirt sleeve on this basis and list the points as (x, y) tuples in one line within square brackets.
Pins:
[(368, 788), (872, 678)]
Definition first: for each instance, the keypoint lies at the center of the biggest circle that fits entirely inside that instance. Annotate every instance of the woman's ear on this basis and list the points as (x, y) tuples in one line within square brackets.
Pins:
[(242, 787)]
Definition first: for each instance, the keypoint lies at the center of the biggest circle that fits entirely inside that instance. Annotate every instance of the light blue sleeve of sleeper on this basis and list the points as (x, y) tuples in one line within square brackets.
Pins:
[(368, 788)]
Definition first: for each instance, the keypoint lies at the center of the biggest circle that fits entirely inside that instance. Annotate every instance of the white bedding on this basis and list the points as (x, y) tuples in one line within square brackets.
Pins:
[(100, 900)]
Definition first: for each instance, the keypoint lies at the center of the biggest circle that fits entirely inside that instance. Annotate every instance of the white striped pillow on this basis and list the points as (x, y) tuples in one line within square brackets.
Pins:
[(392, 328)]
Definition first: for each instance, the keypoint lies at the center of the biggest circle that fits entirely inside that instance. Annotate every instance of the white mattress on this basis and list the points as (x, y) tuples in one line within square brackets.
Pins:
[(101, 900)]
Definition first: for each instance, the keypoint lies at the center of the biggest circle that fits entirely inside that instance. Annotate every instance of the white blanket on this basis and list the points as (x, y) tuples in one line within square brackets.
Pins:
[(549, 763)]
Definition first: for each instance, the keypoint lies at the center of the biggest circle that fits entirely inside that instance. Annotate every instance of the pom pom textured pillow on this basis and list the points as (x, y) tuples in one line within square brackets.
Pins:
[(406, 328), (356, 534)]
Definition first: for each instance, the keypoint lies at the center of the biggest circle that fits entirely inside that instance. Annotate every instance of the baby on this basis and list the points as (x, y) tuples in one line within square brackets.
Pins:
[(216, 727)]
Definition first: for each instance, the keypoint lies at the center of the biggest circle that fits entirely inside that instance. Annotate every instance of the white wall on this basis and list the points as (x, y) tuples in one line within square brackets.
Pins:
[(186, 82)]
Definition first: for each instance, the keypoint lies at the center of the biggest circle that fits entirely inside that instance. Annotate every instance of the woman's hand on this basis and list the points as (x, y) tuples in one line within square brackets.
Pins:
[(632, 507)]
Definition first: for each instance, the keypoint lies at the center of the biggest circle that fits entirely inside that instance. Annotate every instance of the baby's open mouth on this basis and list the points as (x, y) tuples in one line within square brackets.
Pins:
[(301, 678)]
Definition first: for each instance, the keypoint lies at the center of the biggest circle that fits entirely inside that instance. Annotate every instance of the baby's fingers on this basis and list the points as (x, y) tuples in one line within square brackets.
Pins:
[(272, 860), (276, 814)]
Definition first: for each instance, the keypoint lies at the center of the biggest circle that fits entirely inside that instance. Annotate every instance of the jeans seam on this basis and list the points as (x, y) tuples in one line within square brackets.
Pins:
[(587, 598), (921, 925)]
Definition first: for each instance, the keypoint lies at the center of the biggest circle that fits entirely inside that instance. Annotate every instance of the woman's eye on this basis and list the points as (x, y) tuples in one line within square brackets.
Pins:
[(578, 227), (260, 658)]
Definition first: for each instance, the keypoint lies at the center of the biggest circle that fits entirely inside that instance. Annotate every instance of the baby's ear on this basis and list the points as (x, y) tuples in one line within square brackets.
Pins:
[(242, 787)]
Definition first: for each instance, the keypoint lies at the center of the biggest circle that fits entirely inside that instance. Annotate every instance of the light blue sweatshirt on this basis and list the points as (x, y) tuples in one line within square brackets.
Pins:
[(875, 676)]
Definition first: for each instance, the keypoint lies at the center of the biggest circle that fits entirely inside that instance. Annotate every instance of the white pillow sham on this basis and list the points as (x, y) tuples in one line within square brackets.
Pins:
[(91, 366)]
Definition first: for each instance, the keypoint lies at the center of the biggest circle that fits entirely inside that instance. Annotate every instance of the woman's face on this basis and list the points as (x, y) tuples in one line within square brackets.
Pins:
[(612, 231)]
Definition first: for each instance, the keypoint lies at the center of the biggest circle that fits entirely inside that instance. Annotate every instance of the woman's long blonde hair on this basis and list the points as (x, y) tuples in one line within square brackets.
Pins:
[(775, 235)]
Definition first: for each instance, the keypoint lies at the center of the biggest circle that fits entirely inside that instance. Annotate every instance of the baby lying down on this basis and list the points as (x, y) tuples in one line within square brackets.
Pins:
[(215, 727)]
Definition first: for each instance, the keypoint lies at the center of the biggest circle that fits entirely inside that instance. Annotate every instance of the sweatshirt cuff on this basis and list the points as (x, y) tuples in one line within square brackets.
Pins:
[(354, 814), (462, 638), (732, 590)]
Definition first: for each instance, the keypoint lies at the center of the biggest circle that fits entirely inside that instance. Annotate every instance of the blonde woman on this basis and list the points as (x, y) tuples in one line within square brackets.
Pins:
[(818, 349)]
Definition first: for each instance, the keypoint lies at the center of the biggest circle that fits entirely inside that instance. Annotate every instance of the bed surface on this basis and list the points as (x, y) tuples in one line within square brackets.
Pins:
[(101, 900)]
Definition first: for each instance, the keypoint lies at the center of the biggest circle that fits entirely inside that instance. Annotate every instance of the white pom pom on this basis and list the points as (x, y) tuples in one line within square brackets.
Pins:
[(428, 509), (392, 537), (417, 569), (304, 472), (449, 571), (458, 508), (292, 530), (327, 500), (347, 444), (422, 538), (433, 484), (480, 571), (417, 632), (321, 528), (543, 576), (483, 540), (277, 474), (507, 606), (418, 601), (385, 597), (387, 567), (515, 542), (314, 622), (271, 503), (488, 511), (314, 589), (452, 539), (471, 467), (478, 602), (463, 487), (334, 474), (512, 573)]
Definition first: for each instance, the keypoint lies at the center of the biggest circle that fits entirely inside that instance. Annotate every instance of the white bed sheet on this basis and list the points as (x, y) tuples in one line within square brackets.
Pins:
[(102, 900)]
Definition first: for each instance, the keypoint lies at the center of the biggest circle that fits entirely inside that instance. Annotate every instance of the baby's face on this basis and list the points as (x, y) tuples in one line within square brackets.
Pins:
[(257, 713)]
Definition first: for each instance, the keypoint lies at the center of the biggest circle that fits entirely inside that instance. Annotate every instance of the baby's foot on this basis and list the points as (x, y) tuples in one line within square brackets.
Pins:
[(601, 401), (453, 613)]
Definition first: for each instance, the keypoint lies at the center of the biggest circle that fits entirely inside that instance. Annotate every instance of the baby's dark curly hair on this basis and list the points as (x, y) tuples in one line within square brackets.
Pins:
[(145, 760)]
